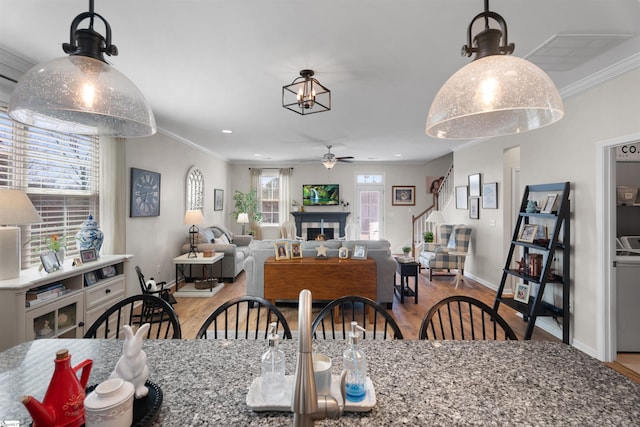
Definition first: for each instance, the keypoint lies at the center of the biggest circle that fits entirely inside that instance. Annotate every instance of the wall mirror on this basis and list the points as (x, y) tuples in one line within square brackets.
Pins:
[(195, 189)]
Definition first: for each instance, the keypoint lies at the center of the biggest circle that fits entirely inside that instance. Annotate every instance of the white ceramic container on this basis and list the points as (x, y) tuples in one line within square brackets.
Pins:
[(110, 404)]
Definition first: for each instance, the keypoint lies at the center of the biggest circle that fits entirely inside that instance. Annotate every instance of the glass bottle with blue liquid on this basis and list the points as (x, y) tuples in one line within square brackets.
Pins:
[(355, 364)]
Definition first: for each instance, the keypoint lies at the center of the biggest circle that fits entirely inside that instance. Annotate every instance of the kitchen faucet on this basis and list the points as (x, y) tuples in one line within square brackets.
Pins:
[(307, 406)]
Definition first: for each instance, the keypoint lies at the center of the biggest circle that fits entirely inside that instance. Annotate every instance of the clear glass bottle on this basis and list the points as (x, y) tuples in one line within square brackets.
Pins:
[(273, 368), (355, 364)]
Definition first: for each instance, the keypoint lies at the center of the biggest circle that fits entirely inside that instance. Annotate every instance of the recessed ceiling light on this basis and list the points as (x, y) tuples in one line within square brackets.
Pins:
[(257, 155), (398, 155), (227, 131)]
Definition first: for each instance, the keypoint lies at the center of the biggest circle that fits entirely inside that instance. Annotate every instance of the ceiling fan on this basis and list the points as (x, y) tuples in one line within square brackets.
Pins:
[(329, 159)]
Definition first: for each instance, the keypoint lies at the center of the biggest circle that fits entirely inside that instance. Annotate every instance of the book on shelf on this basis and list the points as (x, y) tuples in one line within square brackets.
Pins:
[(35, 302), (44, 291), (405, 259)]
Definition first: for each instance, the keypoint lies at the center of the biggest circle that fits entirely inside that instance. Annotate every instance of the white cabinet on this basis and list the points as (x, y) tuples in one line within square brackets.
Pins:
[(76, 297)]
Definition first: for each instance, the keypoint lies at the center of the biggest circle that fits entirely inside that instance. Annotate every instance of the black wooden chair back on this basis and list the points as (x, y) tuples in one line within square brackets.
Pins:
[(334, 320), (461, 317), (160, 288), (135, 311), (245, 317)]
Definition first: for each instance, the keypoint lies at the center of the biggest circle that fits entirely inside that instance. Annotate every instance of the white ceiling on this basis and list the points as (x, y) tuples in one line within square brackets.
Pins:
[(209, 65)]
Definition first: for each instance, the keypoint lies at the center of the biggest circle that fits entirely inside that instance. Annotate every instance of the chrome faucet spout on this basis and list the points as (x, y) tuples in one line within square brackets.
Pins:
[(307, 406)]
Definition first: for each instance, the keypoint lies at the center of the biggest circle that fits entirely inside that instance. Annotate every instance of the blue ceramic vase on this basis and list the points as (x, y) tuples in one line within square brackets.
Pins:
[(90, 236)]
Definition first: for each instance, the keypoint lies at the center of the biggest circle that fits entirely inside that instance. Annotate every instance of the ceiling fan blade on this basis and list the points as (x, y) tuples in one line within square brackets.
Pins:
[(344, 157), (344, 160)]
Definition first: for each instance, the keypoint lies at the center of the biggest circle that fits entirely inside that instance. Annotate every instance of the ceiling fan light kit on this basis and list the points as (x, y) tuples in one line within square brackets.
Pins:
[(496, 94), (81, 93), (329, 160), (306, 95)]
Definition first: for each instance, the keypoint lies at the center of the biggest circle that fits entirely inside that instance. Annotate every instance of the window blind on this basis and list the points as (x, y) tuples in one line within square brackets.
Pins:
[(60, 174)]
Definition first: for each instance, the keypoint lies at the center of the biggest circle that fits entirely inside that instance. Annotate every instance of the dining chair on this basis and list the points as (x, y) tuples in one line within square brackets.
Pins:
[(137, 310), (460, 317), (159, 290), (334, 320), (245, 317)]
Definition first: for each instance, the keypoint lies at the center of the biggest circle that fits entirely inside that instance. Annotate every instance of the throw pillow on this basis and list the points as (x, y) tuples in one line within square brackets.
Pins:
[(223, 239), (206, 235)]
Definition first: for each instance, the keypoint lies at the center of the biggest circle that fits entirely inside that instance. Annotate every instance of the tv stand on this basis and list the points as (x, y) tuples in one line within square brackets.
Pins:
[(339, 217)]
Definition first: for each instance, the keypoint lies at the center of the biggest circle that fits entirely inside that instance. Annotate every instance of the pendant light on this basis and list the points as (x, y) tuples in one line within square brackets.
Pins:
[(81, 93), (496, 94), (306, 95)]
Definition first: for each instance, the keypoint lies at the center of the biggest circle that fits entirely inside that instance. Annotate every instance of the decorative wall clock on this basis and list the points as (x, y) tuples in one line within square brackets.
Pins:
[(145, 193)]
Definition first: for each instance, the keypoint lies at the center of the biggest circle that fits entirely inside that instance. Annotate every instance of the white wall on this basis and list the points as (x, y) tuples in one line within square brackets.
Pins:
[(155, 241), (397, 218), (565, 151)]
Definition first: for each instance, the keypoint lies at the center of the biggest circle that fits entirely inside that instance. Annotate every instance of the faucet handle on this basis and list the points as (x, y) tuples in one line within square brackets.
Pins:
[(328, 406)]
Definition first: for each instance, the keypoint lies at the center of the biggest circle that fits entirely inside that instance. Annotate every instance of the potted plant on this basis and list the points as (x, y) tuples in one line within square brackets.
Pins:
[(428, 236), (406, 250), (249, 203)]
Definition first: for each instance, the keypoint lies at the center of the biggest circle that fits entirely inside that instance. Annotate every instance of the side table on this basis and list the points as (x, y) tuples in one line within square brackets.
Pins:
[(460, 258), (183, 261), (406, 270)]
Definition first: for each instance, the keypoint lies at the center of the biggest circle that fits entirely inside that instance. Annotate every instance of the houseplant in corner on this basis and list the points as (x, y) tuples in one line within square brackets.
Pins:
[(247, 203)]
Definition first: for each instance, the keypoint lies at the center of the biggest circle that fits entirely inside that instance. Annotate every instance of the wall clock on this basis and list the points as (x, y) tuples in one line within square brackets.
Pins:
[(145, 193)]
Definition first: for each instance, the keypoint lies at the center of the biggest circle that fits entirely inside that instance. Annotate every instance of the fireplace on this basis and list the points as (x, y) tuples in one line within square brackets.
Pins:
[(324, 218), (312, 233)]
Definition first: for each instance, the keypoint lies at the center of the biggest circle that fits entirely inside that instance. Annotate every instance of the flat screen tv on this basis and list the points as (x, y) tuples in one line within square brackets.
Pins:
[(321, 194)]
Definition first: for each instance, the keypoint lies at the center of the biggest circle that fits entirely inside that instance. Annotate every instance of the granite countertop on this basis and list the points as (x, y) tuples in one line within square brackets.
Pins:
[(205, 382)]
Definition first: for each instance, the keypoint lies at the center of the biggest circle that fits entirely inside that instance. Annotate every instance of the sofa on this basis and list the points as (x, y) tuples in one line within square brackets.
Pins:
[(378, 250), (435, 256), (218, 238)]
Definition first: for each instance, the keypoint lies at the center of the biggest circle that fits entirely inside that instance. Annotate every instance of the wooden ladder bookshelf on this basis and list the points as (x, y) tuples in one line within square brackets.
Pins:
[(539, 251)]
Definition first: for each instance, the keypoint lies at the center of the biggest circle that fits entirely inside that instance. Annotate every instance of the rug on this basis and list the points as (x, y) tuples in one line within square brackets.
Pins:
[(189, 291)]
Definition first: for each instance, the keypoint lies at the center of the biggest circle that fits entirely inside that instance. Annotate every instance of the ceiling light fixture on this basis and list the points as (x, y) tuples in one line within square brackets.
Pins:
[(329, 163), (81, 93), (305, 95), (496, 94)]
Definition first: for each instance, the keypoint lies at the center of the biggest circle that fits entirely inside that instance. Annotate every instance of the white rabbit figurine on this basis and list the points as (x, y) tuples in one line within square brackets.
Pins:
[(132, 365)]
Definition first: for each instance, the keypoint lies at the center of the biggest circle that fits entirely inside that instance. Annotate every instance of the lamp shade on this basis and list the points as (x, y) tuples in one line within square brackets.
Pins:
[(436, 218), (193, 217), (329, 164), (83, 95), (243, 218), (491, 96), (16, 208)]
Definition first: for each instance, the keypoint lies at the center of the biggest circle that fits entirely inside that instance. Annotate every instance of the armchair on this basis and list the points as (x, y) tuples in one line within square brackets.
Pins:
[(288, 231), (435, 256)]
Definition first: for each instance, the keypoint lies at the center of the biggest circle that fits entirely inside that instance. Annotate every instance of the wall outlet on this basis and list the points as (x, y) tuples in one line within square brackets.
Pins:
[(158, 269)]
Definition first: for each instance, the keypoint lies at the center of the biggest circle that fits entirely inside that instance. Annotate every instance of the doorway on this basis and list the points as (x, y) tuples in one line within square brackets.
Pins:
[(369, 206)]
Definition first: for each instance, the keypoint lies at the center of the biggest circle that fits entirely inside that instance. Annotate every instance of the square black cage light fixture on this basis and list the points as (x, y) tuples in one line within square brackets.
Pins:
[(305, 95)]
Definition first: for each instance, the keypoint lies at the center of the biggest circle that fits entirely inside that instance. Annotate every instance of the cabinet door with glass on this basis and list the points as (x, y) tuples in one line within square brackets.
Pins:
[(60, 317)]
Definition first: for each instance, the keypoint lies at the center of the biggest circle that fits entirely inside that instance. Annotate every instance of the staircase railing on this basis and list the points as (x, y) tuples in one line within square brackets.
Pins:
[(418, 222)]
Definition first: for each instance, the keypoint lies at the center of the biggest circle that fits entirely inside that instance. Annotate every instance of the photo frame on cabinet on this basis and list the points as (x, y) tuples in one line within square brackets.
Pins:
[(522, 293), (282, 250), (343, 252), (462, 197), (549, 204), (295, 249), (218, 199), (90, 278), (88, 255), (474, 207), (50, 261), (490, 195), (403, 195), (359, 252), (474, 185)]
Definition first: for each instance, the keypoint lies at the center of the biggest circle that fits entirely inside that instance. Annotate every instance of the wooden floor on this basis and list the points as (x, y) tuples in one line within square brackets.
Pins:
[(193, 311)]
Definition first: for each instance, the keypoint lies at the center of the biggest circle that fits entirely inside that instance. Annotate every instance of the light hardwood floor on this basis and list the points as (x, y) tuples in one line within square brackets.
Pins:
[(193, 311)]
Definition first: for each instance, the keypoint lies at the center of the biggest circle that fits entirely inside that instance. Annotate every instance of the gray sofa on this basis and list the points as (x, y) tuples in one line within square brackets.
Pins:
[(235, 248), (379, 250)]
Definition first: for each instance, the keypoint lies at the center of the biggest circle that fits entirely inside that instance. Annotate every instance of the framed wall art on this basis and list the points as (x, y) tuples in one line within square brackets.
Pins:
[(474, 207), (462, 197), (490, 195), (403, 195), (218, 199), (474, 185), (145, 193)]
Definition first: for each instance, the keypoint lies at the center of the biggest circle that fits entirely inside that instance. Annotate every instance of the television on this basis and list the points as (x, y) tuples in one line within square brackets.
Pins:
[(320, 194)]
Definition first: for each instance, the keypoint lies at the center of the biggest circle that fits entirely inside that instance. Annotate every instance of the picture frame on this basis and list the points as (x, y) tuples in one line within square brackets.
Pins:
[(528, 233), (522, 293), (541, 233), (474, 185), (218, 199), (90, 278), (281, 250), (295, 249), (343, 252), (50, 261), (359, 252), (403, 195), (88, 255), (462, 197), (108, 271), (490, 195), (474, 207), (144, 193), (77, 262), (549, 203)]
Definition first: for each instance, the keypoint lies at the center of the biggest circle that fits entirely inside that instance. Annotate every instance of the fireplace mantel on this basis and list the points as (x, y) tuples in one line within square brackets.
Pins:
[(339, 217)]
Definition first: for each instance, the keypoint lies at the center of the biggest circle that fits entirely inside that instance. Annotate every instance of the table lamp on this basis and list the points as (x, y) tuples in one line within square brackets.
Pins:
[(193, 217), (243, 218), (15, 209), (435, 217)]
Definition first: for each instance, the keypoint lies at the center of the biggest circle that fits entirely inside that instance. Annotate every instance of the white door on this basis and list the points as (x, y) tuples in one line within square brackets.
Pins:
[(369, 211)]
